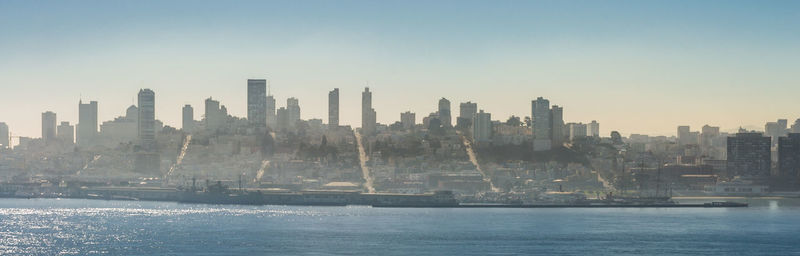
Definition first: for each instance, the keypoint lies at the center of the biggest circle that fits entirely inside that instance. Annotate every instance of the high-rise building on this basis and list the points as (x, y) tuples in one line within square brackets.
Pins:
[(708, 134), (49, 126), (796, 126), (593, 129), (333, 108), (293, 106), (271, 117), (577, 130), (444, 113), (467, 111), (482, 127), (775, 130), (257, 102), (368, 114), (789, 157), (214, 115), (408, 119), (4, 138), (188, 118), (87, 124), (282, 119), (148, 159), (147, 119), (542, 125), (749, 155), (687, 137), (557, 127), (66, 133)]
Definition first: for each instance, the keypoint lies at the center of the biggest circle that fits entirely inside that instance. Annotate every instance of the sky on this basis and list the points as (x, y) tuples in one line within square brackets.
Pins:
[(634, 66)]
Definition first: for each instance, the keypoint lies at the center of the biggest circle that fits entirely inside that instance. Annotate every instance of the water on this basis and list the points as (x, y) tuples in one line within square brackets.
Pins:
[(89, 227)]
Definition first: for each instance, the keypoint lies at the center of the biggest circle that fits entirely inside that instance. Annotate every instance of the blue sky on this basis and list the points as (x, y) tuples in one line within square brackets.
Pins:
[(634, 66)]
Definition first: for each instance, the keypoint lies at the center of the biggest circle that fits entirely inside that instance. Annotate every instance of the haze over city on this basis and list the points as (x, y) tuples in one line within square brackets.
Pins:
[(636, 67)]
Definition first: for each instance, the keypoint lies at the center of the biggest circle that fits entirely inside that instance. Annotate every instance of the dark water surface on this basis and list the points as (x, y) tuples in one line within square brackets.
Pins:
[(89, 227)]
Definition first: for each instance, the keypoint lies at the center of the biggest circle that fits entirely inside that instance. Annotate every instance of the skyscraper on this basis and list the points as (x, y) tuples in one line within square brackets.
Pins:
[(87, 124), (257, 102), (789, 157), (466, 113), (408, 119), (749, 155), (444, 113), (4, 139), (293, 106), (557, 128), (576, 130), (282, 119), (66, 133), (148, 159), (188, 118), (333, 108), (271, 118), (368, 115), (48, 126), (540, 114), (147, 120), (482, 127), (213, 115)]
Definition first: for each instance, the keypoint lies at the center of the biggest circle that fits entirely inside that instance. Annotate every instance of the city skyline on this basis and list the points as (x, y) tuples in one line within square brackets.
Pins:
[(733, 69)]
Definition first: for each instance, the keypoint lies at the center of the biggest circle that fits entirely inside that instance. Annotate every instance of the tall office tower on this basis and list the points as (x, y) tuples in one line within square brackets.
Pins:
[(466, 113), (48, 126), (686, 136), (576, 130), (188, 118), (147, 119), (271, 117), (148, 159), (789, 157), (775, 130), (87, 124), (282, 119), (257, 102), (593, 129), (557, 128), (293, 106), (4, 139), (540, 113), (707, 135), (333, 108), (408, 119), (213, 115), (66, 133), (749, 155), (482, 127), (444, 113), (368, 115)]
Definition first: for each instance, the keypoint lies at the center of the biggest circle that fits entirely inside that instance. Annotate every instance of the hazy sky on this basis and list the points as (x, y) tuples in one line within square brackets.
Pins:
[(634, 66)]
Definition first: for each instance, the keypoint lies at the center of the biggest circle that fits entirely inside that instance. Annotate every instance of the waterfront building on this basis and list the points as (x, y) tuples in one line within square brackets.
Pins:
[(749, 155), (789, 156)]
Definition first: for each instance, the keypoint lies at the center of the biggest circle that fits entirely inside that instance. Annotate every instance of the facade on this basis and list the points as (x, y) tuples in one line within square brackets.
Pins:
[(482, 128), (408, 119), (789, 156), (213, 115), (686, 136), (333, 108), (122, 129), (257, 102), (749, 155), (368, 115), (187, 123), (4, 138), (87, 124), (282, 119), (593, 129), (48, 126), (540, 114), (444, 113), (66, 133)]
